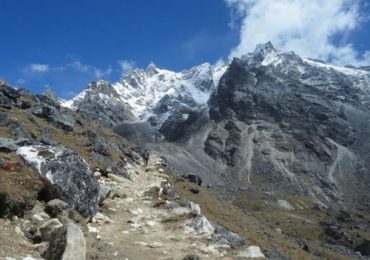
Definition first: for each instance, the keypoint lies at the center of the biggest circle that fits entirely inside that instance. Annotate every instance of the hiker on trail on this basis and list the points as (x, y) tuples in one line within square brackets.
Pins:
[(146, 155)]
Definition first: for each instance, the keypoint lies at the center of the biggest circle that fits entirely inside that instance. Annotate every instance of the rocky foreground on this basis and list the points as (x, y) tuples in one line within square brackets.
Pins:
[(142, 218)]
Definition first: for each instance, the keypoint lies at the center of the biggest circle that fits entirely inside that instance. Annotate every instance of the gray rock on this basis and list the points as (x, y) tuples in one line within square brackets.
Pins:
[(66, 243), (200, 225), (18, 131), (364, 248), (334, 231), (193, 178), (8, 91), (47, 100), (11, 145), (227, 237), (55, 116), (283, 204), (4, 121), (5, 102), (49, 227), (344, 216), (55, 207), (46, 139), (104, 192), (69, 173), (42, 111), (23, 104), (7, 145)]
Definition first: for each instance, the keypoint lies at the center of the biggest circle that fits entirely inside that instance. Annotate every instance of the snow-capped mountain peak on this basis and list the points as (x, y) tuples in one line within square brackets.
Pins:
[(143, 90), (155, 92), (151, 69), (264, 55)]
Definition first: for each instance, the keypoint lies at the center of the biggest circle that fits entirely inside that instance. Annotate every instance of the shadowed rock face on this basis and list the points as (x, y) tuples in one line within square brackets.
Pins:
[(101, 103), (290, 130)]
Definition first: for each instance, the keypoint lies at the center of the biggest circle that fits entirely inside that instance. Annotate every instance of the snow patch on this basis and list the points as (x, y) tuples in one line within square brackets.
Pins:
[(252, 252), (344, 70), (31, 155)]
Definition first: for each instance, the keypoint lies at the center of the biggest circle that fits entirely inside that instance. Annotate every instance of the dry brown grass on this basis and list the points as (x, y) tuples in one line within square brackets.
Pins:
[(258, 227), (75, 140), (19, 187)]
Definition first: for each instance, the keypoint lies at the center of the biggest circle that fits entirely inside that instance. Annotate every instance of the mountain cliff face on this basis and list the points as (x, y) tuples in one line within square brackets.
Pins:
[(274, 121), (292, 124)]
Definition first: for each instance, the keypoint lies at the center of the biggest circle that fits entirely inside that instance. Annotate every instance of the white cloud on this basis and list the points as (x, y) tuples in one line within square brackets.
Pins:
[(126, 65), (21, 81), (88, 69), (306, 27), (38, 68), (98, 73), (77, 65)]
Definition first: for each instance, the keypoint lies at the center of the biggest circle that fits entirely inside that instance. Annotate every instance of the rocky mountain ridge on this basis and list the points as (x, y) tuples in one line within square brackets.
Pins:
[(58, 173), (150, 95), (270, 114)]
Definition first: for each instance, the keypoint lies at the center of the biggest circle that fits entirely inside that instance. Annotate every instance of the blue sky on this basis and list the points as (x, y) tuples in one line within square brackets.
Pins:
[(77, 37), (67, 43)]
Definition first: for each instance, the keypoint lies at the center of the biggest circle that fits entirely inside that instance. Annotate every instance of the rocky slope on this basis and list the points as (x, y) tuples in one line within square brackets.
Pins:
[(273, 118), (275, 131), (293, 124), (281, 123)]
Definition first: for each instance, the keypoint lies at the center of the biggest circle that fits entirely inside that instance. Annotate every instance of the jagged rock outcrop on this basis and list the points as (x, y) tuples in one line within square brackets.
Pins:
[(66, 243), (53, 115), (68, 172), (280, 119), (101, 103), (283, 123), (10, 145)]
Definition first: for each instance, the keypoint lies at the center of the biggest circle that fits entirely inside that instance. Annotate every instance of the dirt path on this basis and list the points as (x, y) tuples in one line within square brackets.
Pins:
[(132, 228)]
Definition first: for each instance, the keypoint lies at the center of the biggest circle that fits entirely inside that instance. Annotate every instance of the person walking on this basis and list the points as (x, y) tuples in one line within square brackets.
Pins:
[(146, 156)]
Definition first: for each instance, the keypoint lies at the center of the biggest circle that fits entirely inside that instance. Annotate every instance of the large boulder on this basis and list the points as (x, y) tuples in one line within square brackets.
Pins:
[(104, 192), (48, 227), (5, 102), (9, 91), (68, 173), (227, 237), (55, 116), (193, 178), (364, 248), (11, 145), (200, 226), (334, 231), (66, 243)]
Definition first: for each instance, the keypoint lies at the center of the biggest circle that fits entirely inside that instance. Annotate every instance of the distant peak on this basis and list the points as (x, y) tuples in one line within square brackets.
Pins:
[(100, 82), (264, 54), (265, 48), (151, 69)]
